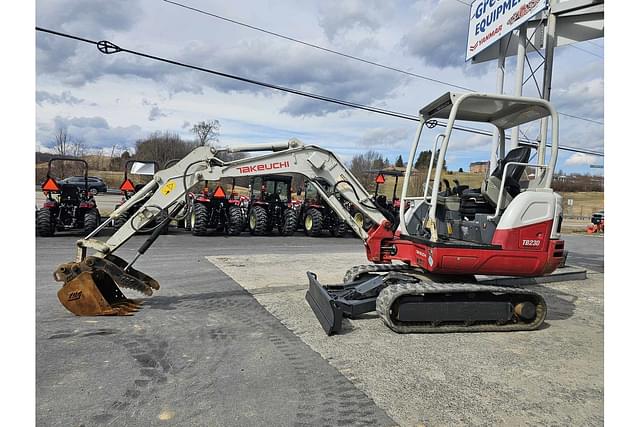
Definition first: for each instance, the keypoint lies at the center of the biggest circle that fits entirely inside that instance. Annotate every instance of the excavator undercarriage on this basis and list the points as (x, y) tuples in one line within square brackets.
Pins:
[(410, 301)]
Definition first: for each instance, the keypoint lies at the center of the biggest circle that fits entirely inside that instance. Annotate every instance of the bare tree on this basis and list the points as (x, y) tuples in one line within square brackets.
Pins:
[(363, 164), (206, 131), (162, 147), (78, 147), (62, 141)]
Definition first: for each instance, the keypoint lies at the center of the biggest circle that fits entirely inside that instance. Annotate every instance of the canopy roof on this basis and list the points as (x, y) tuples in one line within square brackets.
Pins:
[(504, 112)]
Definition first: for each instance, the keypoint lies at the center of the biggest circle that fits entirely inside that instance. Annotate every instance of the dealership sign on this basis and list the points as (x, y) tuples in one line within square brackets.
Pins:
[(490, 20)]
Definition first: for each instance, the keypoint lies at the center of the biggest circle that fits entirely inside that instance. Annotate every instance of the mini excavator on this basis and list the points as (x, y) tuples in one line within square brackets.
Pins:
[(423, 261)]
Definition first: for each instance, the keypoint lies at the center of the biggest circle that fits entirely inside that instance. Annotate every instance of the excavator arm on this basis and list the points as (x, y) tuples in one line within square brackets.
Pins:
[(91, 283)]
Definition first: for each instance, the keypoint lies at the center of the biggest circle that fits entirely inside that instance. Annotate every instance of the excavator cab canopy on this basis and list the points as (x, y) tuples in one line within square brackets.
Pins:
[(503, 113)]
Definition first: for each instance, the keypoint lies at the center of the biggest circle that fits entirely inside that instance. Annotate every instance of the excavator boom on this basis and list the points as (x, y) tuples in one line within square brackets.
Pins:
[(91, 283)]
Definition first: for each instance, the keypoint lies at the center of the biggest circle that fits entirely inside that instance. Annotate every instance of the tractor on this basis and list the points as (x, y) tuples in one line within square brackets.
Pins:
[(74, 209), (316, 215), (213, 209), (382, 201), (271, 206), (128, 189)]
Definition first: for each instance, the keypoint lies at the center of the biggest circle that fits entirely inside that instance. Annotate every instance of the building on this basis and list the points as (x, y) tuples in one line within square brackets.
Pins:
[(479, 167)]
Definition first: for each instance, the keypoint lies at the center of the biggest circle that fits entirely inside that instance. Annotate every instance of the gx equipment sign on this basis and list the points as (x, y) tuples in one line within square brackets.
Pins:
[(490, 20)]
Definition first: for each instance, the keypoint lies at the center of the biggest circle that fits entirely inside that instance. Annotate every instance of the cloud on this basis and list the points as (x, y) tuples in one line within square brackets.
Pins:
[(94, 131), (385, 138), (155, 113), (86, 19), (81, 122), (52, 98), (581, 98), (296, 67), (90, 17), (579, 159), (439, 38), (339, 16)]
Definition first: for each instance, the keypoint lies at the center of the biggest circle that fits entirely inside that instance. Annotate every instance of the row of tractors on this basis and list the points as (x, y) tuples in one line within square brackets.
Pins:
[(268, 207)]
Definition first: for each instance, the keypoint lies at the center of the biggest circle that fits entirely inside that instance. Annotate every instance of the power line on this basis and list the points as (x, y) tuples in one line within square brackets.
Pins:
[(315, 46), (107, 47), (585, 51), (345, 55)]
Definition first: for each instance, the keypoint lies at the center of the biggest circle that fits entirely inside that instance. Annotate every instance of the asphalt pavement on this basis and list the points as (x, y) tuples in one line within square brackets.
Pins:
[(202, 351)]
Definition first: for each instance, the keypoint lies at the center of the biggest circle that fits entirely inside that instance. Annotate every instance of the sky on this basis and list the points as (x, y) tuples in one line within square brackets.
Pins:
[(114, 100)]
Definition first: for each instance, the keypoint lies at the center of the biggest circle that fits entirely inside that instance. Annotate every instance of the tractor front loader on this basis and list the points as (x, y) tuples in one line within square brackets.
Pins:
[(423, 261)]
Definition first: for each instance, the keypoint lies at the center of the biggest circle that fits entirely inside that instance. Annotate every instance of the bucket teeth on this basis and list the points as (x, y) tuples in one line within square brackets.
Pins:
[(127, 308)]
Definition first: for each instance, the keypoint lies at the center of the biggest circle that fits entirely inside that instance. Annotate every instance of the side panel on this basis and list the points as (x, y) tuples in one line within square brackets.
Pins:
[(528, 208)]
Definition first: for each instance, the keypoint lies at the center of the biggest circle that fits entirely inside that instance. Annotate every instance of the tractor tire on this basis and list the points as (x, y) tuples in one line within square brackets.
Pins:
[(199, 219), (290, 222), (340, 229), (91, 220), (44, 223), (235, 221), (313, 222), (258, 221), (121, 220)]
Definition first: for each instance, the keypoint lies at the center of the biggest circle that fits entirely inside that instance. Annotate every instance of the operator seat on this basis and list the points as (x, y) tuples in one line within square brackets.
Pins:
[(491, 187), (69, 193), (485, 198)]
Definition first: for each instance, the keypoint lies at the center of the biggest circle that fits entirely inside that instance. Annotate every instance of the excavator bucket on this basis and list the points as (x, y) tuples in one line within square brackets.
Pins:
[(86, 296), (90, 287)]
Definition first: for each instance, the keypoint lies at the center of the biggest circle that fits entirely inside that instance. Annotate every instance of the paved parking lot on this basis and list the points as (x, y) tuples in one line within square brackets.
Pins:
[(229, 340)]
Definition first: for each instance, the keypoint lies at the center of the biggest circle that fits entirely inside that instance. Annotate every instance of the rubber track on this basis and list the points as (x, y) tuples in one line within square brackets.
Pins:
[(355, 272), (392, 292)]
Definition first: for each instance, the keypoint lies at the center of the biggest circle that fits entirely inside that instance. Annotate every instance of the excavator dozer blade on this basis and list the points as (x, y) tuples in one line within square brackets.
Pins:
[(90, 287), (323, 305)]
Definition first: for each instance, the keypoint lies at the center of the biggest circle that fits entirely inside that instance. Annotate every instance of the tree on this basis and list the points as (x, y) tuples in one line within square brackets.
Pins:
[(424, 158), (77, 147), (61, 144), (399, 162), (229, 157), (460, 170), (362, 164), (206, 131), (161, 147)]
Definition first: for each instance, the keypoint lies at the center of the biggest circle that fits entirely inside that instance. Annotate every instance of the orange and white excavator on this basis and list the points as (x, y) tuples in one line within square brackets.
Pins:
[(423, 262)]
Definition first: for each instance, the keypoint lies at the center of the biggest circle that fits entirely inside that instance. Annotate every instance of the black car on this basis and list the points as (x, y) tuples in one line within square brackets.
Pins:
[(597, 217), (96, 185)]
